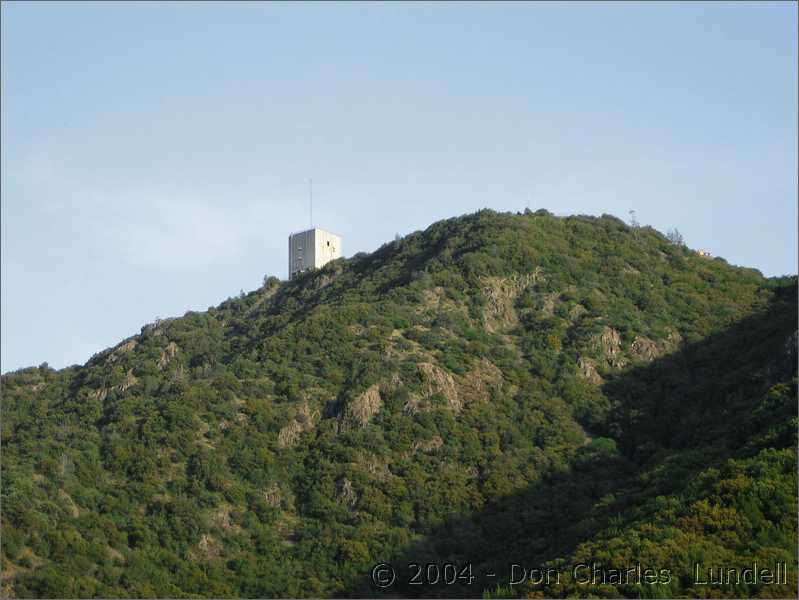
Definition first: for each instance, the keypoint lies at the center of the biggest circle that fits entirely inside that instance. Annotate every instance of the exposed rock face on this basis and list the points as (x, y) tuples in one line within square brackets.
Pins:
[(157, 328), (324, 280), (434, 443), (674, 339), (289, 434), (303, 421), (628, 269), (432, 298), (644, 349), (114, 554), (413, 405), (207, 548), (362, 408), (206, 544), (647, 350), (102, 392), (356, 329), (586, 369), (501, 293), (577, 311), (392, 384), (437, 381), (122, 349), (436, 300), (167, 355), (500, 313), (130, 381), (99, 394), (475, 384), (68, 503), (375, 466), (220, 519), (346, 494), (548, 306), (608, 346), (273, 495), (457, 391)]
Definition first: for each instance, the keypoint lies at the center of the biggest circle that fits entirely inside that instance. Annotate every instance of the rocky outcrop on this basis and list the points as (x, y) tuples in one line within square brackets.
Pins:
[(124, 348), (167, 355), (346, 494), (130, 381), (548, 304), (644, 349), (607, 345), (325, 279), (290, 434), (608, 349), (673, 340), (376, 467), (220, 519), (577, 311), (586, 369), (436, 300), (115, 554), (101, 393), (68, 503), (206, 549), (360, 410), (431, 299), (437, 381), (434, 443), (273, 495), (475, 385), (394, 383), (501, 293), (457, 391), (304, 419)]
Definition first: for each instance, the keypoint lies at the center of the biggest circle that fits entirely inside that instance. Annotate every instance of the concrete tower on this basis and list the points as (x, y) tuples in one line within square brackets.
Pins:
[(312, 249)]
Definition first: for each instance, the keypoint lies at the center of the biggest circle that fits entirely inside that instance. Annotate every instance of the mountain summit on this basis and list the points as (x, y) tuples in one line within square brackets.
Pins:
[(498, 389)]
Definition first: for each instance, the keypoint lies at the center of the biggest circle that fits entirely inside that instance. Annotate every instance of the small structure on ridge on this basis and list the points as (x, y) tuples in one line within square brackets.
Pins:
[(311, 249)]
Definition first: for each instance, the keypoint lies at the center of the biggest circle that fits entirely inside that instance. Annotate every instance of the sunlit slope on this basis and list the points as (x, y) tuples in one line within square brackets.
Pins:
[(409, 405)]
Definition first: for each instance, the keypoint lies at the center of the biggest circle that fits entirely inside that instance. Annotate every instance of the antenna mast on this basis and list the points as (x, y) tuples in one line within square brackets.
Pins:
[(310, 186)]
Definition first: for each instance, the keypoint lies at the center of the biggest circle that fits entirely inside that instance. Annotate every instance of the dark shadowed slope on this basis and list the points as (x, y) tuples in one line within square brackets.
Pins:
[(696, 465)]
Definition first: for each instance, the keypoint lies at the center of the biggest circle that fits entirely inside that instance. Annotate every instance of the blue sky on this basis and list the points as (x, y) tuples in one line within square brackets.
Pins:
[(155, 157)]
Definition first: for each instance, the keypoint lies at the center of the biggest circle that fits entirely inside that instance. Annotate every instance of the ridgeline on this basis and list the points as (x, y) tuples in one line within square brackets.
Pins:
[(496, 389)]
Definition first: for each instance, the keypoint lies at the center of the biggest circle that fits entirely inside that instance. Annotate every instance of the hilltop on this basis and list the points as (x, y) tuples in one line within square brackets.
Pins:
[(496, 389)]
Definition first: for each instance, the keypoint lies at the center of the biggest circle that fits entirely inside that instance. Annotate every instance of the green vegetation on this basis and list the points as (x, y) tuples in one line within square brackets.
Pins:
[(498, 388)]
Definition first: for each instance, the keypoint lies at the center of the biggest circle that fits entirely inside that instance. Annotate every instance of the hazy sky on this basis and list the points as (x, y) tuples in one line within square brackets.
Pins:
[(155, 157)]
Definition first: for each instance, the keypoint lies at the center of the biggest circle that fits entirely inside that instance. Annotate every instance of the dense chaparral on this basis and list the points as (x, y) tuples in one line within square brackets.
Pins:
[(498, 389)]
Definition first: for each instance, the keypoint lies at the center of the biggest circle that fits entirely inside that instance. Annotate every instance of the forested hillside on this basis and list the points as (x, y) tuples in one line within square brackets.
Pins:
[(496, 389)]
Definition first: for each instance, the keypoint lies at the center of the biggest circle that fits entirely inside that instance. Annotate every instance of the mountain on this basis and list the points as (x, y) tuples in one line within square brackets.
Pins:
[(497, 389)]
